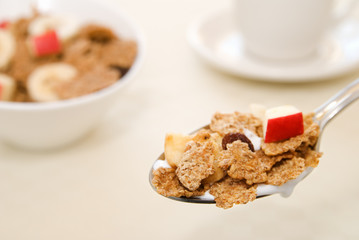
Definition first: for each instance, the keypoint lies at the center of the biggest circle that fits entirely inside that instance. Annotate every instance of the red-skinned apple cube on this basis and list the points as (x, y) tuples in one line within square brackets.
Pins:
[(46, 44), (283, 123), (4, 24)]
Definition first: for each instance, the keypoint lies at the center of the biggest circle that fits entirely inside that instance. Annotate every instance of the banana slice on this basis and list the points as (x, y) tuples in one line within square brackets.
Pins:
[(43, 80), (7, 48), (7, 87), (65, 26), (175, 145)]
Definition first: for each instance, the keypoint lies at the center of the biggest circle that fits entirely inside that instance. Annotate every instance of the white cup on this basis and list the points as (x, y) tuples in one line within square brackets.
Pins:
[(286, 29)]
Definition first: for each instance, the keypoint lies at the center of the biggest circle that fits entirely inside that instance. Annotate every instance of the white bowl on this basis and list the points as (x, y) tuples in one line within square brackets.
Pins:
[(55, 124)]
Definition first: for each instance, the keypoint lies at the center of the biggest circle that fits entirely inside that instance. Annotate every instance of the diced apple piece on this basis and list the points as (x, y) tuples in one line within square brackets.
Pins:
[(281, 123), (45, 44), (4, 24), (7, 87), (174, 148)]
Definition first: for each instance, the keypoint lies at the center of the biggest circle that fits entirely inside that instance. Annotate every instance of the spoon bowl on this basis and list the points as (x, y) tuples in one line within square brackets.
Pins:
[(322, 116)]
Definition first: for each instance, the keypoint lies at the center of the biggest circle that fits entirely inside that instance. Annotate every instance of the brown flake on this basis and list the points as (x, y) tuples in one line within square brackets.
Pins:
[(286, 170), (236, 122), (229, 191), (197, 164), (167, 184), (99, 78)]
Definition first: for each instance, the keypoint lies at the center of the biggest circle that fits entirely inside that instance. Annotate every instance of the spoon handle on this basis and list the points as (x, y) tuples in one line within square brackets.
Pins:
[(337, 103)]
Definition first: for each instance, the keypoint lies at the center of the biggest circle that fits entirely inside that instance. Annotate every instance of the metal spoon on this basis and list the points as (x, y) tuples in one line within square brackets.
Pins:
[(322, 116)]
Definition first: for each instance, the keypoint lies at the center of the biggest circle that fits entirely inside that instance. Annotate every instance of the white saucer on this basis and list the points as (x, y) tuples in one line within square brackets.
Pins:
[(218, 42)]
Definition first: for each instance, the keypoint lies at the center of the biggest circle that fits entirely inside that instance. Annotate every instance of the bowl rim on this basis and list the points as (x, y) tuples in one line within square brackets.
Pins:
[(138, 37)]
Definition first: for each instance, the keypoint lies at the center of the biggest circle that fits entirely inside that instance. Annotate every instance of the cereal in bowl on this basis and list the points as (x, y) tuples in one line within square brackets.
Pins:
[(51, 57)]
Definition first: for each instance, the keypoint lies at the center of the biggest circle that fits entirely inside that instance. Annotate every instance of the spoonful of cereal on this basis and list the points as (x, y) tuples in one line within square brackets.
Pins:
[(239, 157)]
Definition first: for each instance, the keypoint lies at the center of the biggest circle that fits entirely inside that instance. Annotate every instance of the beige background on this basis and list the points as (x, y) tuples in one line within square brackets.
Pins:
[(98, 188)]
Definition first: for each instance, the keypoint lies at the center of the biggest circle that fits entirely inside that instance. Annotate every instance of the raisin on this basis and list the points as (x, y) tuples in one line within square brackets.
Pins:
[(231, 137)]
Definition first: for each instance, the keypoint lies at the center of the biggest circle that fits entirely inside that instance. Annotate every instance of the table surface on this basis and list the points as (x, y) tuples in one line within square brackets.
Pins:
[(98, 188)]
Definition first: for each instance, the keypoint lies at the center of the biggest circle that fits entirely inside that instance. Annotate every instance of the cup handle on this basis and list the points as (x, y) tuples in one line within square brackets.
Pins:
[(344, 10)]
